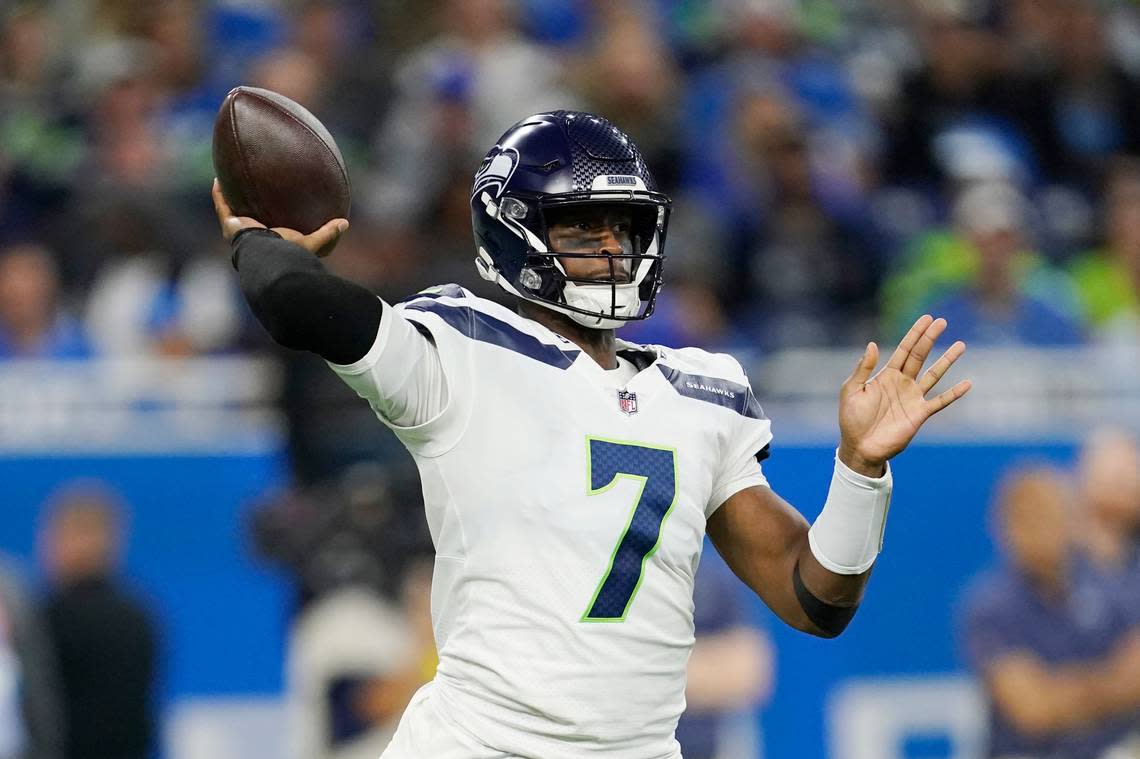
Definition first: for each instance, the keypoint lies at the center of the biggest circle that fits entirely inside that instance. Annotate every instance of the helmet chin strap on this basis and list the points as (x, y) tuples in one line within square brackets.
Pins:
[(595, 298), (599, 299)]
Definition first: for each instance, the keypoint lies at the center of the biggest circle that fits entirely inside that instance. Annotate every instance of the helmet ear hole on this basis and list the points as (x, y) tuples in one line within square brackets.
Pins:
[(542, 279), (530, 279)]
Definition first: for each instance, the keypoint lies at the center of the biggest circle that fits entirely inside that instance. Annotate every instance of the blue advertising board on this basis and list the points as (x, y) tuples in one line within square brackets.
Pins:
[(224, 616)]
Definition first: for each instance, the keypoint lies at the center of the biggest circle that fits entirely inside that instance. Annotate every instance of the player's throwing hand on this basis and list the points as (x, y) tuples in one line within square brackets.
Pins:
[(319, 243), (880, 414)]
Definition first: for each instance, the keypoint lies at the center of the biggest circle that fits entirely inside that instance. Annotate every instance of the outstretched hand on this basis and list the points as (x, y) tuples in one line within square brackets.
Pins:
[(319, 243), (879, 415)]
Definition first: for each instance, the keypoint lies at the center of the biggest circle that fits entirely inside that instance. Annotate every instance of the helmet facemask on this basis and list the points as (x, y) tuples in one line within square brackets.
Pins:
[(624, 290)]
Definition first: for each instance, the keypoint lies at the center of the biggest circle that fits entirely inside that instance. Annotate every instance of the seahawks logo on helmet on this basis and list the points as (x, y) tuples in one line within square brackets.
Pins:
[(496, 171)]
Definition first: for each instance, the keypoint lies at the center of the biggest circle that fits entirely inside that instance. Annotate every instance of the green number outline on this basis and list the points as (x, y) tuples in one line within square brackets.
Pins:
[(642, 479)]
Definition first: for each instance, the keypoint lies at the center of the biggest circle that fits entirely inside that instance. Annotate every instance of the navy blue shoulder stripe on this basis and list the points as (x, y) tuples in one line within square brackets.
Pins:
[(730, 395), (487, 329), (441, 291)]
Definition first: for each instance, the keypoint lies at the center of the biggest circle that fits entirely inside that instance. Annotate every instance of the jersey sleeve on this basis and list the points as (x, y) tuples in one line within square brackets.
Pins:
[(412, 377), (743, 446)]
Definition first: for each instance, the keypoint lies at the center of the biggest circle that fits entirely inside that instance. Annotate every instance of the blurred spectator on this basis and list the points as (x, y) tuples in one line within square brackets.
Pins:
[(359, 528), (348, 653), (628, 76), (362, 642), (806, 271), (415, 598), (765, 51), (961, 93), (446, 251), (1095, 104), (1109, 476), (1046, 633), (356, 661), (38, 145), (329, 429), (33, 323), (292, 73), (103, 636), (27, 49), (730, 669), (138, 307), (984, 279), (186, 86), (765, 119), (31, 718), (1108, 279), (118, 84), (455, 95), (687, 314), (354, 91), (151, 296), (176, 30)]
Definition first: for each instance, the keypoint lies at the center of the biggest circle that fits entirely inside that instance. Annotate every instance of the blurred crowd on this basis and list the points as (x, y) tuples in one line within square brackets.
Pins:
[(838, 167), (1053, 632), (79, 661)]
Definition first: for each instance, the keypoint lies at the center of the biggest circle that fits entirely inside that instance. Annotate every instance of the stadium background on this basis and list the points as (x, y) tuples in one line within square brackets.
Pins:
[(837, 168)]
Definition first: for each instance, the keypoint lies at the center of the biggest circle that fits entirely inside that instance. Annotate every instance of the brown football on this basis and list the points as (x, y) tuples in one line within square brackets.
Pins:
[(277, 163)]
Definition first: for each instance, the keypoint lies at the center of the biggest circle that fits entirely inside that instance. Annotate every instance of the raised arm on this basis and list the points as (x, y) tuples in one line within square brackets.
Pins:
[(813, 577), (381, 355), (295, 298)]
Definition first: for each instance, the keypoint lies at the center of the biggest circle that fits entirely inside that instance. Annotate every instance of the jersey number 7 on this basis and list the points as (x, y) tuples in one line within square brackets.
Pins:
[(656, 469)]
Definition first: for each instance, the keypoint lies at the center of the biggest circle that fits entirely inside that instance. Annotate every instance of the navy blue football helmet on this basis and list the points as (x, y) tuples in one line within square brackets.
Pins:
[(550, 162)]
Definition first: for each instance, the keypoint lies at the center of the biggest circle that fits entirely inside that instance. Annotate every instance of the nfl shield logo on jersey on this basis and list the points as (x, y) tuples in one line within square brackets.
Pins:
[(627, 402)]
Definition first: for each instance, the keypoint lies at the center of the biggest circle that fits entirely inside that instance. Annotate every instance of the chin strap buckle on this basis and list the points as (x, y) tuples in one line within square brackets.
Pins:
[(486, 267)]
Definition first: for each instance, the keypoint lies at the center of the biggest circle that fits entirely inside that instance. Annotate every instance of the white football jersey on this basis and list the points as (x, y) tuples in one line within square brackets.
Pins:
[(568, 509)]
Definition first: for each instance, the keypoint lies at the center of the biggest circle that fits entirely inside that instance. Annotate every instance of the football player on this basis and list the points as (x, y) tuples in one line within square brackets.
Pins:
[(569, 476)]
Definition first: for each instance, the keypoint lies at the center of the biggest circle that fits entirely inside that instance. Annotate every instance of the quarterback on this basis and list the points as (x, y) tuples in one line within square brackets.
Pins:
[(570, 477)]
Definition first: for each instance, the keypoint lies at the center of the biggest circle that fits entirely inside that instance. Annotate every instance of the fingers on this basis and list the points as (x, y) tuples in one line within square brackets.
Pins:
[(321, 242), (898, 358), (327, 236), (941, 366), (942, 400), (221, 207), (865, 365), (922, 348), (226, 219)]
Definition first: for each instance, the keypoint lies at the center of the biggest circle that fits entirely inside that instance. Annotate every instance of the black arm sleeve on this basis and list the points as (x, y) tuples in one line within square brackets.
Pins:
[(300, 303), (829, 618)]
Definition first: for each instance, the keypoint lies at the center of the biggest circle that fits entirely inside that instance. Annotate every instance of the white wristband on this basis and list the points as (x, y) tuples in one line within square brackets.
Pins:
[(848, 534)]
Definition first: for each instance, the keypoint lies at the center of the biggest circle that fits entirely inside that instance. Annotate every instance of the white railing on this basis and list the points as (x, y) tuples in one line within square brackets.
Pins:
[(139, 405), (229, 404), (1019, 393)]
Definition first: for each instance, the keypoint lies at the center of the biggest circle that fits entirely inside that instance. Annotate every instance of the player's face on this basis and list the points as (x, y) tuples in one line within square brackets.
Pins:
[(588, 234)]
